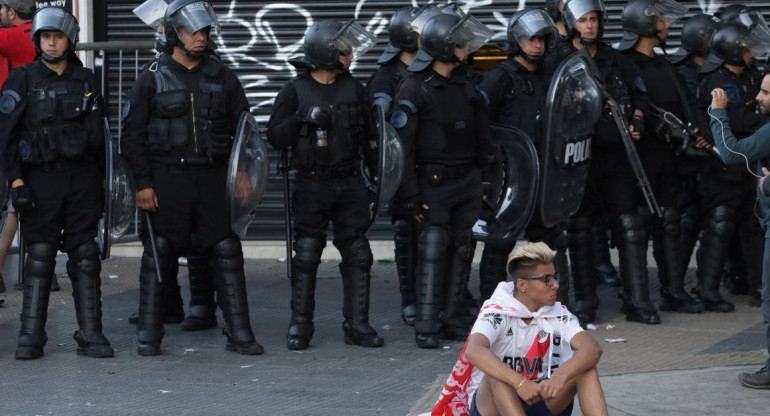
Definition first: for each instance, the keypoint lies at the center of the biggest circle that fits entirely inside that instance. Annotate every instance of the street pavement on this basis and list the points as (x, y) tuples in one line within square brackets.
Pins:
[(688, 365)]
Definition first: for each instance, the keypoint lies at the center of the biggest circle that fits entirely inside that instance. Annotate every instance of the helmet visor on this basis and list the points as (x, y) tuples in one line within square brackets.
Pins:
[(54, 18), (758, 38), (668, 10), (470, 34), (196, 16), (533, 23), (575, 9), (353, 40), (423, 15), (151, 12)]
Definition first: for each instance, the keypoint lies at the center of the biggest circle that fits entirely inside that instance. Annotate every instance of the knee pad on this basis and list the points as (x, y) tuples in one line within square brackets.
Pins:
[(307, 254), (228, 254), (356, 252), (721, 221), (672, 221), (86, 257), (633, 228), (433, 243), (403, 230), (579, 232), (165, 250), (41, 259), (464, 245)]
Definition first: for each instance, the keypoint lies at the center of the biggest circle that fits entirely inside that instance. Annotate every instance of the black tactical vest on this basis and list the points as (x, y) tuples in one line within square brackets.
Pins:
[(54, 125), (526, 100), (189, 124), (446, 133), (340, 144)]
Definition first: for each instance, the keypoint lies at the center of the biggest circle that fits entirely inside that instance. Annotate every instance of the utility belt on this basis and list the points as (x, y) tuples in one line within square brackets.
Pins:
[(187, 162), (61, 164), (438, 173), (331, 172)]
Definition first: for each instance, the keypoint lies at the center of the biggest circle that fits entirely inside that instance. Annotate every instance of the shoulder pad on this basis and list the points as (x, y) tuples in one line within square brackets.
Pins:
[(398, 119), (126, 109), (8, 101), (733, 93), (408, 104), (485, 96), (639, 83)]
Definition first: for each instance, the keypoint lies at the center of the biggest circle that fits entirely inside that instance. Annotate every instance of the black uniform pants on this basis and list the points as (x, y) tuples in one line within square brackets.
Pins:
[(68, 205), (611, 185)]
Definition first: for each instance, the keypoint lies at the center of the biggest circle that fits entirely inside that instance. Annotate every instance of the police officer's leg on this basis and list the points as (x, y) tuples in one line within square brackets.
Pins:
[(633, 269), (675, 298), (431, 264), (717, 232), (149, 325), (605, 271), (355, 269), (492, 270), (752, 240), (405, 247), (227, 260), (579, 236), (307, 257), (691, 226), (557, 240), (86, 289), (202, 310), (458, 321), (173, 311), (40, 265)]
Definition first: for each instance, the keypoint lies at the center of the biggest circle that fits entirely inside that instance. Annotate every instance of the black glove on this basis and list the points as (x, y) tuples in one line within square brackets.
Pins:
[(638, 124), (22, 198), (320, 116)]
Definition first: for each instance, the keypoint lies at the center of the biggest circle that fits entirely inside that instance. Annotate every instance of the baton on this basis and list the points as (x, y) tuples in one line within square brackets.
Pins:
[(283, 168), (153, 247)]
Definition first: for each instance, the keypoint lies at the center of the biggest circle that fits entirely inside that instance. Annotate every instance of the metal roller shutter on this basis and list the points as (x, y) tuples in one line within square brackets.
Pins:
[(258, 37)]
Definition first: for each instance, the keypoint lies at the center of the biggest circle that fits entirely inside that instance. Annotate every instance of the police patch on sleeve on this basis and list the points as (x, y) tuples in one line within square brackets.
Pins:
[(8, 101), (126, 109)]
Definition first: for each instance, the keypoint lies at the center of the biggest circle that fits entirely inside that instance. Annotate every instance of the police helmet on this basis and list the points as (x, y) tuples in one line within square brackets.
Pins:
[(445, 32), (697, 33), (575, 9), (640, 17), (26, 7), (526, 24), (401, 37), (326, 40), (731, 41), (729, 14), (451, 8), (553, 8), (192, 15), (58, 20), (151, 12)]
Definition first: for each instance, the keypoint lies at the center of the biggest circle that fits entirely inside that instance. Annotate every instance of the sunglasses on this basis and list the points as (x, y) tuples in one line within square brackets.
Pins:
[(548, 279)]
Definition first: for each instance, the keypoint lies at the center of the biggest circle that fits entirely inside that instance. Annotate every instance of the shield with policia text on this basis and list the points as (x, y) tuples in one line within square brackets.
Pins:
[(573, 106), (119, 196), (514, 187), (248, 170), (390, 166)]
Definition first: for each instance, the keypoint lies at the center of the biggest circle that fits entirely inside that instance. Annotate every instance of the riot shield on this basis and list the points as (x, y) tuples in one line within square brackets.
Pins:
[(573, 106), (514, 186), (119, 196), (390, 166), (248, 172)]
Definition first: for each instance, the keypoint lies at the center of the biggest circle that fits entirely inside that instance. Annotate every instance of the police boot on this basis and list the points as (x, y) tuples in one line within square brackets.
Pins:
[(41, 262), (227, 258), (173, 310), (692, 222), (633, 268), (355, 266), (307, 257), (83, 268), (605, 271), (718, 229), (579, 236), (202, 310), (432, 249), (667, 252), (405, 247), (458, 321), (492, 268), (149, 325)]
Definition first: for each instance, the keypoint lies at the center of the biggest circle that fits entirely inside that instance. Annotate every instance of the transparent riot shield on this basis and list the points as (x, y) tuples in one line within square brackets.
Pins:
[(248, 172), (390, 166), (119, 196)]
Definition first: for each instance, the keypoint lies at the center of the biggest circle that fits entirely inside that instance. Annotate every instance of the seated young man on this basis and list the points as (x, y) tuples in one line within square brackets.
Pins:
[(526, 354)]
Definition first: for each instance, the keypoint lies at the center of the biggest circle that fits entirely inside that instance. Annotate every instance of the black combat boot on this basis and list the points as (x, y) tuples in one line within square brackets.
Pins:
[(41, 262), (405, 247), (579, 236), (203, 308), (355, 266), (667, 253), (633, 269), (718, 229), (149, 325), (83, 268), (227, 258), (307, 257), (432, 250), (458, 321)]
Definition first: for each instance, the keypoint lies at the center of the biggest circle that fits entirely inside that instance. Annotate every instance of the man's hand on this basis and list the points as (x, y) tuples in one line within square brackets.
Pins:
[(636, 128), (147, 200), (761, 182), (718, 98), (530, 392), (551, 387), (423, 211), (22, 198), (243, 187)]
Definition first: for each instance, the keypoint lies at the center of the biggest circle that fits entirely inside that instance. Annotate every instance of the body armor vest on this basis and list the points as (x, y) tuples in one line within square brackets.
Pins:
[(610, 75), (528, 100), (54, 125), (190, 124), (340, 144), (447, 130)]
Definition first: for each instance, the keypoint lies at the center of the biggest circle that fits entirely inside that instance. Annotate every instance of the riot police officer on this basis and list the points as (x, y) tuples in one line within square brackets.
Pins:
[(645, 26), (53, 144), (611, 183), (179, 120), (554, 9), (442, 120), (728, 196), (382, 85), (325, 116), (516, 91)]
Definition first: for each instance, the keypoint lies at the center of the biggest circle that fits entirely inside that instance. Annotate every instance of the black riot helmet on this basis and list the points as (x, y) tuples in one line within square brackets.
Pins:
[(526, 24), (730, 43), (575, 9), (728, 14), (192, 15), (553, 8), (451, 8), (326, 40), (445, 32), (58, 20), (640, 17), (696, 36), (401, 36)]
